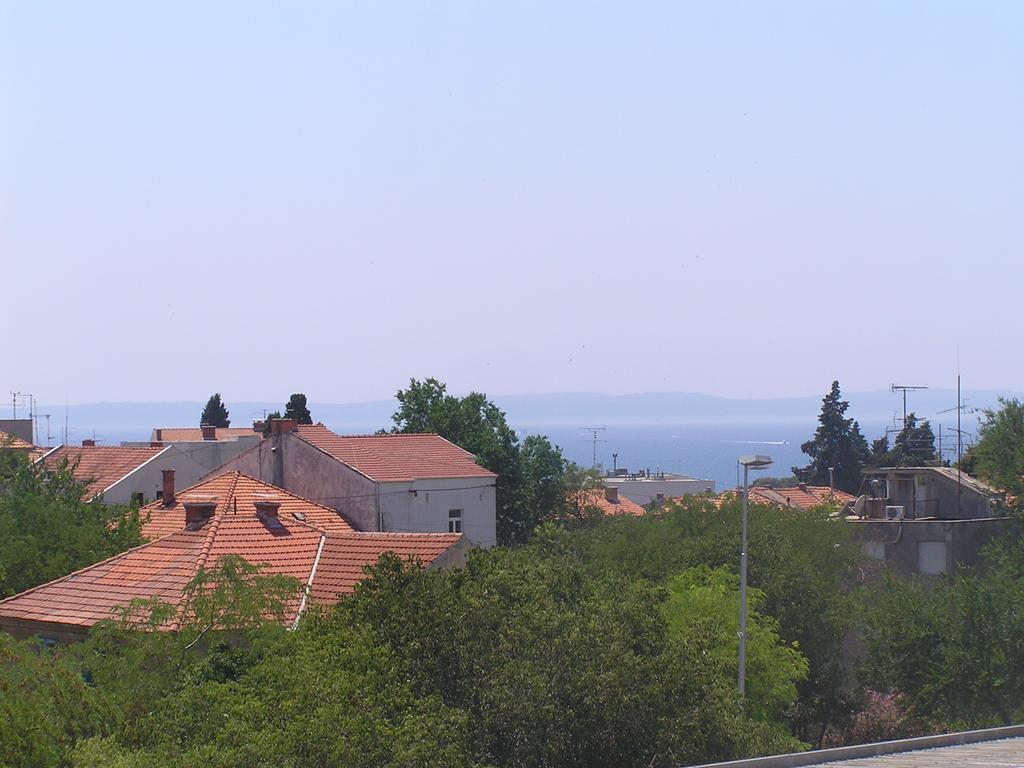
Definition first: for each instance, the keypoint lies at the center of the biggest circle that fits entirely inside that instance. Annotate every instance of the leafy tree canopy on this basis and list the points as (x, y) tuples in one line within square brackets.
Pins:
[(296, 409), (998, 455), (49, 528), (215, 413), (838, 443), (914, 446)]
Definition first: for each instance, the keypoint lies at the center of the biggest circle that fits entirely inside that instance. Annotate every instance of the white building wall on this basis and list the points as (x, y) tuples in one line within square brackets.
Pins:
[(643, 490), (148, 478), (423, 506)]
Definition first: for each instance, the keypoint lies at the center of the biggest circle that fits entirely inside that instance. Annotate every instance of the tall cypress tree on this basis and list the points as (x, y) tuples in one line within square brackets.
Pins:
[(215, 413), (837, 443), (296, 409)]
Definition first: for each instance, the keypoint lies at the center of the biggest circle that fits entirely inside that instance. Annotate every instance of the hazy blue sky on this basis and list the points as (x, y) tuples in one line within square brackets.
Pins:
[(737, 198)]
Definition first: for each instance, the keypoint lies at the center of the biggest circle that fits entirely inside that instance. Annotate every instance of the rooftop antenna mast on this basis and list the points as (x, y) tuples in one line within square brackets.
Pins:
[(904, 388), (595, 439), (14, 404)]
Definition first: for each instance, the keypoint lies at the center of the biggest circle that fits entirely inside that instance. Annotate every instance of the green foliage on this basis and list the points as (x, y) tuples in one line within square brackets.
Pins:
[(998, 455), (296, 409), (579, 484), (704, 602), (215, 413), (953, 649), (837, 443), (45, 707), (803, 561), (556, 664), (914, 446), (530, 484), (48, 528), (267, 421)]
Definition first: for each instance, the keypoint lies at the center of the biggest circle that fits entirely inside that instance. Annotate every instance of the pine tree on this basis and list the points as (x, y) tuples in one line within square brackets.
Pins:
[(215, 413), (914, 446), (837, 443), (296, 409)]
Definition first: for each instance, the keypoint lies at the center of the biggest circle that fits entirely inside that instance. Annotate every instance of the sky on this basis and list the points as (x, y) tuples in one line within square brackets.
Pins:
[(742, 199)]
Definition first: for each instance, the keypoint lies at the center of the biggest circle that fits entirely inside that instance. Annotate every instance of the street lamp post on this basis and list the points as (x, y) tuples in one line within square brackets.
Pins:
[(748, 462)]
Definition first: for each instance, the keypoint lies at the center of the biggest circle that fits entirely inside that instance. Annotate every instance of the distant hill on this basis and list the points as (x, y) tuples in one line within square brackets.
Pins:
[(113, 422)]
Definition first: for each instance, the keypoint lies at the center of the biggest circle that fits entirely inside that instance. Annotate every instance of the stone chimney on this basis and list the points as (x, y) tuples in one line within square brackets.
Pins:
[(168, 489), (198, 509), (156, 444), (611, 493), (267, 506), (282, 426), (257, 426), (89, 443), (209, 431)]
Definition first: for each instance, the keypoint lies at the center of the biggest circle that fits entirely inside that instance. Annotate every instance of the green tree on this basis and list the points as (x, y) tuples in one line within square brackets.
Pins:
[(296, 409), (998, 456), (914, 445), (837, 444), (580, 484), (267, 422), (49, 528), (476, 424), (953, 649), (215, 413), (544, 472), (706, 600)]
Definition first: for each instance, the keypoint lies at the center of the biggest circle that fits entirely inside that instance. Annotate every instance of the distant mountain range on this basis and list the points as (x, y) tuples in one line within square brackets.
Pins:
[(113, 422)]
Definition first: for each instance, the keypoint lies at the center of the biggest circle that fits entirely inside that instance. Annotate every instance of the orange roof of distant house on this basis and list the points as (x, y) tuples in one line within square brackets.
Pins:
[(188, 434), (597, 498), (395, 457), (99, 465), (795, 496), (235, 493), (8, 440), (331, 562)]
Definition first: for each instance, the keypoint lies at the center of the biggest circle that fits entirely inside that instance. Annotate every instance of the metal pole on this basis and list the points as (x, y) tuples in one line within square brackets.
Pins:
[(742, 677)]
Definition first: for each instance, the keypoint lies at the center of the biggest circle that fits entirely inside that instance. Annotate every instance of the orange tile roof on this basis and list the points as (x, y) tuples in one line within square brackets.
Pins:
[(236, 493), (331, 561), (802, 497), (8, 440), (101, 465), (395, 457), (597, 498), (186, 434)]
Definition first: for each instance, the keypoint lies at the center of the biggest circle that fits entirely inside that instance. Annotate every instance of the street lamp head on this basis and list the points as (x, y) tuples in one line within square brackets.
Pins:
[(756, 461)]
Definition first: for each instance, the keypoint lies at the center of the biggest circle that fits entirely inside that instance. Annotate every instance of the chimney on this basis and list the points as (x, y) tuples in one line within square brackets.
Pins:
[(209, 431), (156, 444), (612, 494), (90, 443), (257, 426), (267, 506), (282, 426), (802, 486), (198, 510), (168, 489)]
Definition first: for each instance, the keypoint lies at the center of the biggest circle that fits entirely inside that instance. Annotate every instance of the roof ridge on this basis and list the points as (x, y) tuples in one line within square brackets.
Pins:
[(204, 553)]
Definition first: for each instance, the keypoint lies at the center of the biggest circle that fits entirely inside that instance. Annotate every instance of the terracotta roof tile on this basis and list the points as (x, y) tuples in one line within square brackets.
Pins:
[(395, 457), (621, 506), (236, 493), (163, 567), (802, 497), (8, 440), (101, 465)]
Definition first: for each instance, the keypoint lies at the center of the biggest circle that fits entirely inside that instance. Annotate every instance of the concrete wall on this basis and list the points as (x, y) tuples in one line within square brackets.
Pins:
[(424, 505), (19, 428), (211, 454), (644, 490), (906, 547), (929, 494), (312, 474), (419, 506), (148, 478)]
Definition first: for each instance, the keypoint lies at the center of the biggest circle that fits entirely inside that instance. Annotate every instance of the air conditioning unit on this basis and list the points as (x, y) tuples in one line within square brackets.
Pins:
[(893, 512)]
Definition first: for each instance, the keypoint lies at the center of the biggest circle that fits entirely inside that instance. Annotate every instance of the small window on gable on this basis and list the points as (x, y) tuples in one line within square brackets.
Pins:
[(138, 498), (454, 521), (661, 497), (159, 495)]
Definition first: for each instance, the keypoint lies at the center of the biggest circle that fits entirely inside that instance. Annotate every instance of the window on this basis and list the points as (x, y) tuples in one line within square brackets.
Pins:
[(931, 558), (454, 521), (159, 495), (138, 498)]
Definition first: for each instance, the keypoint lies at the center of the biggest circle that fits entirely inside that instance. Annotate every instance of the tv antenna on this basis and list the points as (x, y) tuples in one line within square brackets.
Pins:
[(904, 388), (595, 439)]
